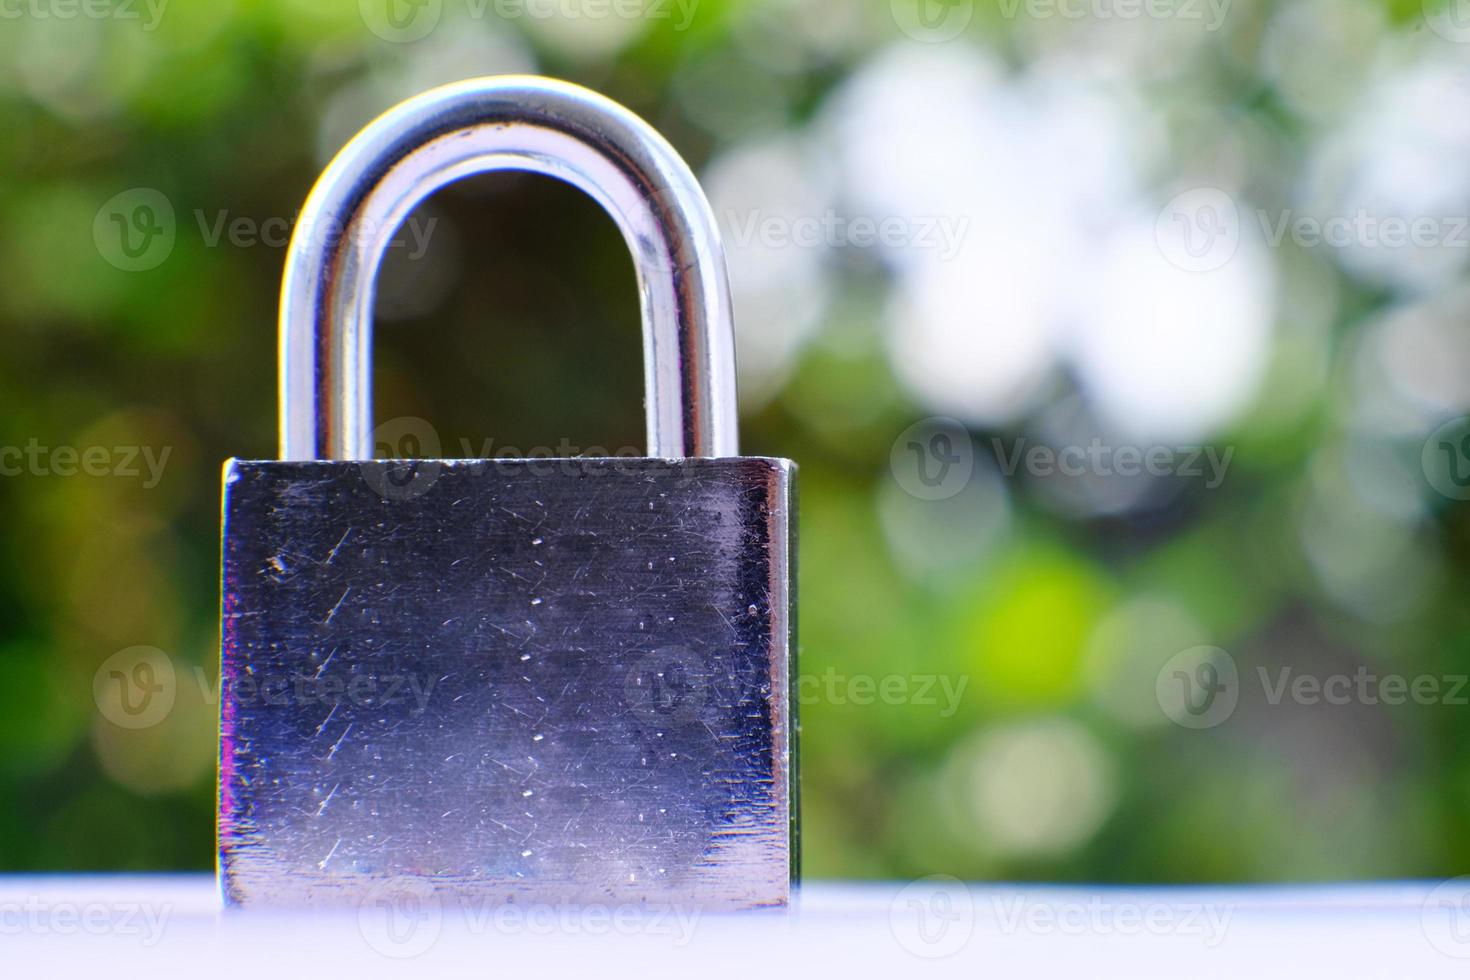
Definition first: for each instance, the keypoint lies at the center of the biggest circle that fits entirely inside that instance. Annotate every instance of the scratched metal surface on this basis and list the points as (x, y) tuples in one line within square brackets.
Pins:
[(538, 680)]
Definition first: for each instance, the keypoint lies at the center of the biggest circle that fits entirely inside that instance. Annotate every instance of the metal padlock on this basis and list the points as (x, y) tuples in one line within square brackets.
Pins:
[(511, 680)]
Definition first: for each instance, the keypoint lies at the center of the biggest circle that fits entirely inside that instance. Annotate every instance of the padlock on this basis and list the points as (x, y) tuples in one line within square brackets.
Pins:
[(510, 680)]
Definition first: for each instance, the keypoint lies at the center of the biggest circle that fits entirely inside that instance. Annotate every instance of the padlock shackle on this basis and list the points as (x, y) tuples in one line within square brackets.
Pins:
[(506, 122)]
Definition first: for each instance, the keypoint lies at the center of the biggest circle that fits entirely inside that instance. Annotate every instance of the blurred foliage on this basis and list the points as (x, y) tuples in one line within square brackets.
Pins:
[(1034, 619)]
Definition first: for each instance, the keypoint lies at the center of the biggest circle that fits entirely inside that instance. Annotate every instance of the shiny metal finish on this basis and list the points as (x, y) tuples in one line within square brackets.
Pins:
[(545, 681), (520, 123)]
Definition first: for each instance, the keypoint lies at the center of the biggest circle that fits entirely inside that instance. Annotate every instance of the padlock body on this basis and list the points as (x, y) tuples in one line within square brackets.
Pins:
[(548, 680)]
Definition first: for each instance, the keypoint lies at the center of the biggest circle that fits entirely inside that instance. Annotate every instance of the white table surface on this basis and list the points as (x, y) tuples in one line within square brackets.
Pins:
[(171, 926)]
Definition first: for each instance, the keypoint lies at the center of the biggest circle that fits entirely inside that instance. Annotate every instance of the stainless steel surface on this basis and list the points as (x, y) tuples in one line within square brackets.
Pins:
[(511, 680), (495, 123)]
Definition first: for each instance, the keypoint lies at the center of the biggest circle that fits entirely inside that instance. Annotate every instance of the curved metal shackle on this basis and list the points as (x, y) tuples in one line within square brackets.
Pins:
[(508, 122)]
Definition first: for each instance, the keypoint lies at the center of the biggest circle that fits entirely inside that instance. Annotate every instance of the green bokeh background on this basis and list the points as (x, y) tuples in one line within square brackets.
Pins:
[(1052, 762)]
